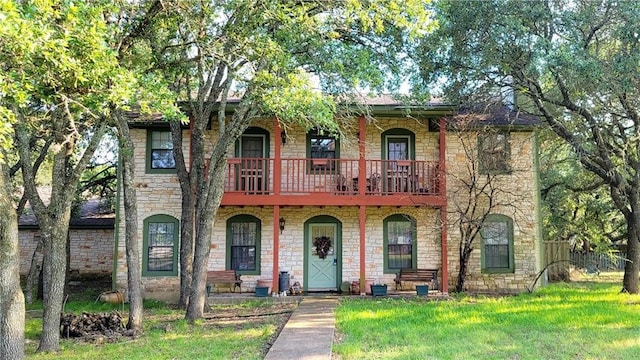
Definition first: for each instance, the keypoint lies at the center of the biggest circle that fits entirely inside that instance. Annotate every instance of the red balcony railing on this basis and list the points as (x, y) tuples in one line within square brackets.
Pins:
[(334, 176)]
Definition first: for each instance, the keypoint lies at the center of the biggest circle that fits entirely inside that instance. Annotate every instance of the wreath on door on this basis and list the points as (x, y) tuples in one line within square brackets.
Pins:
[(323, 245)]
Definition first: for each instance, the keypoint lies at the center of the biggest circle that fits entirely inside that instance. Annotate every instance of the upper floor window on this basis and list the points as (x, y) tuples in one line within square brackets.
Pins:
[(323, 147), (160, 152), (497, 244), (399, 243), (243, 244), (160, 246), (493, 153)]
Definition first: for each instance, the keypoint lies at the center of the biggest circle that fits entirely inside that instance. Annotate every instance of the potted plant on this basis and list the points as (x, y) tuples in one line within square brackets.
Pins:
[(379, 289), (422, 290)]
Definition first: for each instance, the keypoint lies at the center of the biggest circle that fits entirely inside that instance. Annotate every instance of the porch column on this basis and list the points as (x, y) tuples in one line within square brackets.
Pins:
[(362, 186), (277, 178), (363, 216), (276, 247), (443, 209)]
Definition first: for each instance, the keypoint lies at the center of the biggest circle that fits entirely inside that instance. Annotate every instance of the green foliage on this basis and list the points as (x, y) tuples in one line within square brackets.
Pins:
[(276, 50), (576, 206), (576, 64)]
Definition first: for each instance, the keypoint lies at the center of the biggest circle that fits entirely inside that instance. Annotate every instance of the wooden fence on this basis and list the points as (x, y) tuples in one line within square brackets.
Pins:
[(557, 260), (593, 262), (559, 257)]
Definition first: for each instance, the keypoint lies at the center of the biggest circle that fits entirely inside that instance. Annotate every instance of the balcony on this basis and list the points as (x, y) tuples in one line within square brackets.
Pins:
[(332, 177)]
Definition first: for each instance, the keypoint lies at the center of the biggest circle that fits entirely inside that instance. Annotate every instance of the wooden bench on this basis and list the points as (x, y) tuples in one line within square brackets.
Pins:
[(426, 275), (224, 277)]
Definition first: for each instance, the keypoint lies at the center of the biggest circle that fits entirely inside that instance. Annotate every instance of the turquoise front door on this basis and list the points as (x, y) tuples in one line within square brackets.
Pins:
[(322, 263)]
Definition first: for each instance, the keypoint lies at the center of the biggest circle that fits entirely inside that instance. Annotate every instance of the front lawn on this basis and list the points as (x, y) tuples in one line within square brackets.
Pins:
[(561, 321), (241, 331)]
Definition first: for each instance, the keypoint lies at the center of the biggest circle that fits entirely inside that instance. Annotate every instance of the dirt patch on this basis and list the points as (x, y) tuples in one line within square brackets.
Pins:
[(239, 317)]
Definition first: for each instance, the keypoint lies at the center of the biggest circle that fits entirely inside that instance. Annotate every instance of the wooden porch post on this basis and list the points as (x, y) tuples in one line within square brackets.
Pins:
[(277, 172), (276, 246), (443, 208), (362, 161), (363, 216), (362, 175)]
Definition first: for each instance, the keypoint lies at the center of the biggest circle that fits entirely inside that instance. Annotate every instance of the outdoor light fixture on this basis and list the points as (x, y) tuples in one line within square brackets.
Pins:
[(283, 135), (282, 222)]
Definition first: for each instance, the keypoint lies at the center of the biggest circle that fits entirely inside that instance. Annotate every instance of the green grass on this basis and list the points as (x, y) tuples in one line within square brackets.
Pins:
[(168, 336), (561, 321)]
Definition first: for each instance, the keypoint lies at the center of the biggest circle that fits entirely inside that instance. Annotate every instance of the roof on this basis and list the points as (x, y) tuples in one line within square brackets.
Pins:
[(494, 115), (92, 216), (390, 105)]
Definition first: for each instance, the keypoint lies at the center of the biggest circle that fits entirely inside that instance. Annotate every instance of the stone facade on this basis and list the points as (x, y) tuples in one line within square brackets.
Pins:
[(160, 194), (91, 250), (518, 199)]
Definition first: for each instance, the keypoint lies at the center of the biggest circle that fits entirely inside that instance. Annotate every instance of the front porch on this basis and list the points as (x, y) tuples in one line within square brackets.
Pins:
[(366, 243)]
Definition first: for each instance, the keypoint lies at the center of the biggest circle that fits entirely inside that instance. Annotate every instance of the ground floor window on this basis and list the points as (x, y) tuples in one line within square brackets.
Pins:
[(243, 244), (160, 245), (399, 243), (497, 244)]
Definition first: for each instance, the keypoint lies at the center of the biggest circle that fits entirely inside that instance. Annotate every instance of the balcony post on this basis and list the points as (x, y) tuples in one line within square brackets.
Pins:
[(277, 163), (362, 162)]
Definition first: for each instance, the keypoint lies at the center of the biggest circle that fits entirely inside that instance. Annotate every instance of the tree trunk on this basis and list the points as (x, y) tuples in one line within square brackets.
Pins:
[(186, 248), (187, 179), (54, 268), (465, 255), (632, 267), (134, 275), (67, 273), (206, 212), (12, 310), (34, 272)]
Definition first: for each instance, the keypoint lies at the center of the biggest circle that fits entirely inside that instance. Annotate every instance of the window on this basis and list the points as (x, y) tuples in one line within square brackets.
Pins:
[(399, 243), (321, 147), (243, 244), (160, 152), (160, 246), (497, 244), (398, 144), (493, 153)]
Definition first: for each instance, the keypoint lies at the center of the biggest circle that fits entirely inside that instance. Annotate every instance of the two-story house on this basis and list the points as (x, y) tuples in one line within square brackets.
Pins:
[(333, 210)]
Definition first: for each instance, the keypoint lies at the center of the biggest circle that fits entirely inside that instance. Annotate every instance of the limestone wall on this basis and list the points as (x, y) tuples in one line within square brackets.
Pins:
[(517, 195), (91, 250)]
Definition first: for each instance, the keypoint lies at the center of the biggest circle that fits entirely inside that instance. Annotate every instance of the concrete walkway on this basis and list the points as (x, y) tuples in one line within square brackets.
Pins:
[(309, 332)]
